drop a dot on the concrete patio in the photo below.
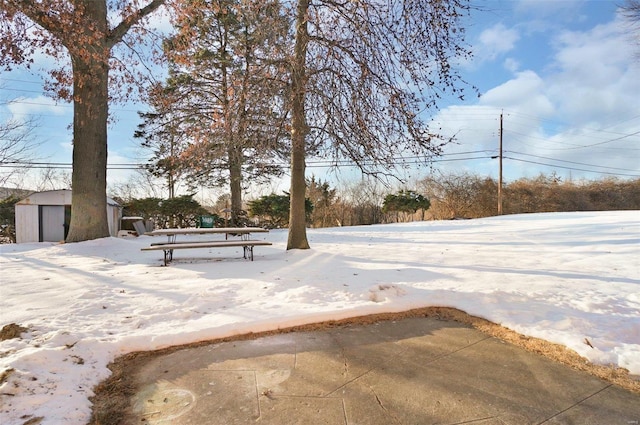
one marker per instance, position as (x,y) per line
(410,371)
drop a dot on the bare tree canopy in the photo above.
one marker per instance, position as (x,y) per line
(631,12)
(362,76)
(17,146)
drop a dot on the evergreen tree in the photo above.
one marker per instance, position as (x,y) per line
(227,94)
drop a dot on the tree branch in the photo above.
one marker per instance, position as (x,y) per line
(116,34)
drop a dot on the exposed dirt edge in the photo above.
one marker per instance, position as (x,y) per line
(112,396)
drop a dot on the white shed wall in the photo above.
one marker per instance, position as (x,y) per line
(114,214)
(28,218)
(27,226)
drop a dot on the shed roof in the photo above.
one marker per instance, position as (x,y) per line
(54,197)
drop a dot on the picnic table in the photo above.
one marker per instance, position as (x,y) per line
(172,243)
(172,234)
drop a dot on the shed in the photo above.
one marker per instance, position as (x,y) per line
(45,216)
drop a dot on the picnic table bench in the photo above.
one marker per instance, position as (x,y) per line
(172,243)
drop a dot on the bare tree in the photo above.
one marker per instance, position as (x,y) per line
(364,199)
(362,74)
(460,195)
(50,178)
(83,31)
(631,12)
(17,147)
(140,185)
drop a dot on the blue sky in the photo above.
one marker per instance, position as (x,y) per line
(564,74)
(566,78)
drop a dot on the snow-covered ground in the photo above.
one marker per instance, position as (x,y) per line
(562,277)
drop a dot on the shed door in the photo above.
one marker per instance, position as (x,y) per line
(52,225)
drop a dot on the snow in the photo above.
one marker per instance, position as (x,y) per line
(562,277)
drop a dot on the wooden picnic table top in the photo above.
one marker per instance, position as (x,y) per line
(204,230)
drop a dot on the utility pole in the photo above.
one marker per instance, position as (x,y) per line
(500,174)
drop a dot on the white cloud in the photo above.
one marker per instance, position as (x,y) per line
(511,64)
(604,46)
(576,109)
(22,108)
(525,92)
(495,41)
(594,79)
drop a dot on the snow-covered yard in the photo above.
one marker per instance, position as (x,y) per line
(562,277)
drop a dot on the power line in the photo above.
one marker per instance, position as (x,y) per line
(22,90)
(313,164)
(20,81)
(412,160)
(565,124)
(132,167)
(569,162)
(62,105)
(325,163)
(573,169)
(572,162)
(574,146)
(64,165)
(608,141)
(57,105)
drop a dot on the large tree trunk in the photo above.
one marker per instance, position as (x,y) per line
(297,217)
(89,178)
(90,111)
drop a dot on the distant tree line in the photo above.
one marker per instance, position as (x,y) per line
(441,197)
(473,196)
(450,196)
(445,197)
